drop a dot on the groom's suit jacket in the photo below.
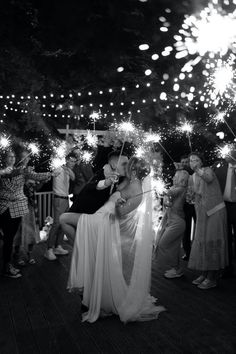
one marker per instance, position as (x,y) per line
(90,198)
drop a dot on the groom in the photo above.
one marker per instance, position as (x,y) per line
(97,191)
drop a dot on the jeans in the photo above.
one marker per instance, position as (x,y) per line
(9,227)
(55,237)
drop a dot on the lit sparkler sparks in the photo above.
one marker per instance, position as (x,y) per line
(186,128)
(57,162)
(225,151)
(34,149)
(126,127)
(61,150)
(152,138)
(159,186)
(87,156)
(5,142)
(211,32)
(221,81)
(220,118)
(140,152)
(95,116)
(91,139)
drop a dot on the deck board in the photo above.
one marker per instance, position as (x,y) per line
(38,315)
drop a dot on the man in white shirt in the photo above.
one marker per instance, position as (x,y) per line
(226,174)
(61,185)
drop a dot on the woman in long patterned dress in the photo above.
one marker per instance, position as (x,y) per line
(209,248)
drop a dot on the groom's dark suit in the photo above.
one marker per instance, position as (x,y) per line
(90,198)
(221,171)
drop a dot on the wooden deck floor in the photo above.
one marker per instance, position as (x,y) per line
(38,315)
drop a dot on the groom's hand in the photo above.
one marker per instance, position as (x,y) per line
(111,180)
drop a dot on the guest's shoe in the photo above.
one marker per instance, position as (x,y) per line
(32,261)
(59,251)
(199,280)
(21,263)
(49,254)
(207,284)
(185,257)
(173,273)
(12,272)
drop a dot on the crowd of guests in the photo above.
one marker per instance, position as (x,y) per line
(199,212)
(212,191)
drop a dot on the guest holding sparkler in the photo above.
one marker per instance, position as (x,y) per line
(209,252)
(173,226)
(61,184)
(28,232)
(189,210)
(226,174)
(13,205)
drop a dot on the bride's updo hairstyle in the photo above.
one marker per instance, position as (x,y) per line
(139,166)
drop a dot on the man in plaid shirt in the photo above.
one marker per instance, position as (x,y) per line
(13,205)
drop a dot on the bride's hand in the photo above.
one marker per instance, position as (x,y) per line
(120,202)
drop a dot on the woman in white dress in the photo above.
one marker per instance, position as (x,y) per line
(111,261)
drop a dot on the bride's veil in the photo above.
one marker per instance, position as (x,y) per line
(138,304)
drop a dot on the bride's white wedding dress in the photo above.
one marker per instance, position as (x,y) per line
(114,276)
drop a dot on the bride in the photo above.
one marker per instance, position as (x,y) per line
(111,260)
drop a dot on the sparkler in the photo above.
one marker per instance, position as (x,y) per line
(210,32)
(220,118)
(152,138)
(221,81)
(57,162)
(140,152)
(91,139)
(187,128)
(95,116)
(34,150)
(225,151)
(87,156)
(159,186)
(5,142)
(126,127)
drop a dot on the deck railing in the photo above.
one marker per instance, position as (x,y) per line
(44,201)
